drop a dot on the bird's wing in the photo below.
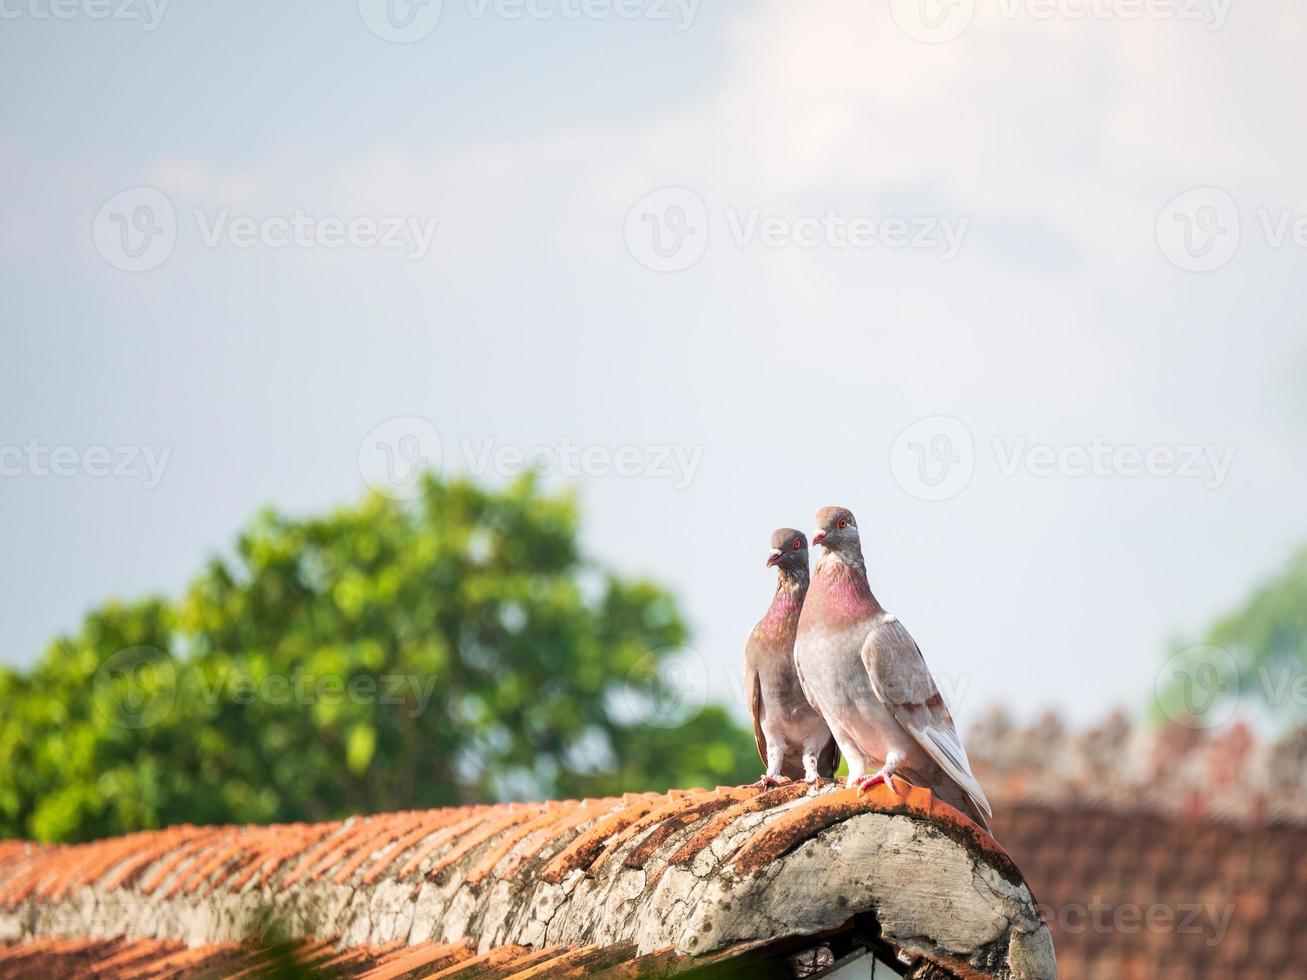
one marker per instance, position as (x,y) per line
(803,683)
(902,682)
(799,668)
(753,691)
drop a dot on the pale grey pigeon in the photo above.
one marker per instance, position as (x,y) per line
(862,670)
(792,739)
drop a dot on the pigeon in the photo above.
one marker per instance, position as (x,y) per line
(862,670)
(793,740)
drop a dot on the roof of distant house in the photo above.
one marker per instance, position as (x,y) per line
(1178,851)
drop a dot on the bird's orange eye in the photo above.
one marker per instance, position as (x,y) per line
(798,545)
(844,522)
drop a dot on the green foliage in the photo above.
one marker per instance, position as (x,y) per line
(385,656)
(1270,629)
(1257,654)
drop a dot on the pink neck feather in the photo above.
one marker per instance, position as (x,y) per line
(840,592)
(782,617)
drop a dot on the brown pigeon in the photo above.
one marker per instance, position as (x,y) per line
(793,740)
(862,670)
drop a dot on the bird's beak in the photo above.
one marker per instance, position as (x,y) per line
(774,557)
(818,537)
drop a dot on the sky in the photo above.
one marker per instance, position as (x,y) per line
(1020,282)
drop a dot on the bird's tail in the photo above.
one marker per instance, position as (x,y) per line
(958,798)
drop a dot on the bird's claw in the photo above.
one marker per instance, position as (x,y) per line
(865,784)
(769,782)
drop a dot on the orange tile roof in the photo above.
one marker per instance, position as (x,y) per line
(138,959)
(202,860)
(1138,897)
(463,888)
(1156,853)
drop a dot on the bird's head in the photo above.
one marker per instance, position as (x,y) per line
(789,552)
(837,532)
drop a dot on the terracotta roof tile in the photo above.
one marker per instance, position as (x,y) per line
(232,853)
(542,831)
(147,852)
(488,830)
(674,803)
(198,841)
(579,961)
(485,964)
(427,824)
(359,957)
(199,860)
(685,815)
(432,843)
(367,848)
(229,849)
(130,954)
(659,963)
(299,865)
(415,960)
(305,838)
(1089,866)
(92,868)
(711,830)
(582,852)
(348,867)
(524,962)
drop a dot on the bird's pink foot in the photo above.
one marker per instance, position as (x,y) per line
(866,783)
(768,781)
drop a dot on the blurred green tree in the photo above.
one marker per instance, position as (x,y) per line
(1255,656)
(389,655)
